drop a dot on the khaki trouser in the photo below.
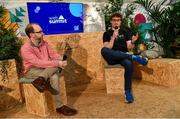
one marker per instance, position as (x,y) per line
(53,74)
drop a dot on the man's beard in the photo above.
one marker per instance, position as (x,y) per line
(38,42)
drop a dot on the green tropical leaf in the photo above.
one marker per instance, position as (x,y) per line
(167,20)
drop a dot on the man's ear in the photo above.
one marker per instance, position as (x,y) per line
(31,35)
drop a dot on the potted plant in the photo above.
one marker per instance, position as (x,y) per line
(9,43)
(9,50)
(166,22)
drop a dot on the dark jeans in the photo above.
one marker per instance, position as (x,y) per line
(118,57)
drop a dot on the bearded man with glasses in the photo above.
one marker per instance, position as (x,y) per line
(42,64)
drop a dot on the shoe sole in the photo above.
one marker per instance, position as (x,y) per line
(128,102)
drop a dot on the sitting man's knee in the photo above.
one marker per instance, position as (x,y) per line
(128,63)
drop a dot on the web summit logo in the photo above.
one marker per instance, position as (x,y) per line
(57,20)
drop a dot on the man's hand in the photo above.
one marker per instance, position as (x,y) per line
(135,37)
(115,34)
(130,43)
(62,64)
(60,58)
(111,42)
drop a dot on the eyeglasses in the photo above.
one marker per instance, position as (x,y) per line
(116,20)
(38,32)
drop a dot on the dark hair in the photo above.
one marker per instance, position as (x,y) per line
(29,29)
(116,15)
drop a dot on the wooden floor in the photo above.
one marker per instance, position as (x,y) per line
(92,101)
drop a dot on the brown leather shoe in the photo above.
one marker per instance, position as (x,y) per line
(40,84)
(51,89)
(67,111)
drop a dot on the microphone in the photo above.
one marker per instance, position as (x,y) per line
(64,57)
(116,27)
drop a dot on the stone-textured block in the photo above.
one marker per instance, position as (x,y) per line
(42,103)
(114,77)
(161,71)
(9,88)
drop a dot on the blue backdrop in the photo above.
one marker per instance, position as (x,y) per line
(57,18)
